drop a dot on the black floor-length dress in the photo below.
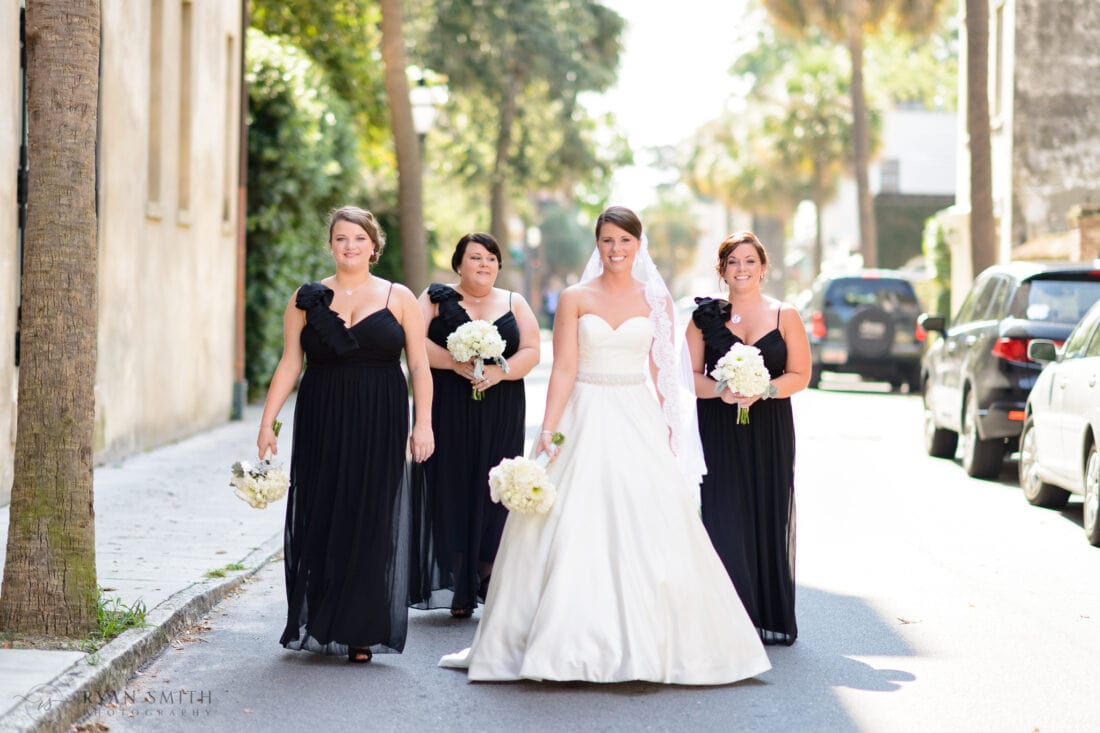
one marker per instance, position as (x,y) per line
(748,491)
(459,527)
(347,515)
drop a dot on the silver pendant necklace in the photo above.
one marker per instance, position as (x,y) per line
(735,319)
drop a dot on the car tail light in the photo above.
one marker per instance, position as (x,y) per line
(919,333)
(1011,349)
(817,325)
(1017,415)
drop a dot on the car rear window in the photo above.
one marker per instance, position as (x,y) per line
(885,293)
(1056,300)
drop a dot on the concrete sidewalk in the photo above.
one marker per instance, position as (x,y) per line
(164,519)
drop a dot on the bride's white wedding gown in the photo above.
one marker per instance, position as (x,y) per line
(619,581)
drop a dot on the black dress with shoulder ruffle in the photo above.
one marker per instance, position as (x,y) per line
(346,538)
(747,493)
(458,525)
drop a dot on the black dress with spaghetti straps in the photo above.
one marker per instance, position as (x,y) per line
(346,537)
(747,493)
(457,526)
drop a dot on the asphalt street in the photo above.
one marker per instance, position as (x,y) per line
(927,601)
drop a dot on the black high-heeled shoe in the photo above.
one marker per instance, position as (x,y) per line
(462,612)
(359,655)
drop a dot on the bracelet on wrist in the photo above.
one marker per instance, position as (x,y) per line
(546,432)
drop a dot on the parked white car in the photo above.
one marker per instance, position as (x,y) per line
(1058,446)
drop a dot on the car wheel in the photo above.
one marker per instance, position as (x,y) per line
(1036,491)
(938,442)
(980,458)
(1091,511)
(815,376)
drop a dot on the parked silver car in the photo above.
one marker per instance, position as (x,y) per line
(1058,446)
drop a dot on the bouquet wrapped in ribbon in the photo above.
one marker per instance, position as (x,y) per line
(741,370)
(262,483)
(477,341)
(521,484)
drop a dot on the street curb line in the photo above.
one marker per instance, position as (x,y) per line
(56,705)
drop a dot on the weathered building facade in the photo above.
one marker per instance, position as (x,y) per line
(1044,95)
(168,191)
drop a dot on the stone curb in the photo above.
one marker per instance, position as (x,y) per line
(56,705)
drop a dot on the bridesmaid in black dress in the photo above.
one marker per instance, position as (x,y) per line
(346,537)
(748,491)
(458,526)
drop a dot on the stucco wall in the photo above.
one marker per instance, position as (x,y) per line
(167,266)
(10,127)
(1056,113)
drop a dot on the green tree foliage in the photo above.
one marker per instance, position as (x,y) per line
(566,243)
(516,69)
(850,22)
(301,164)
(343,38)
(672,230)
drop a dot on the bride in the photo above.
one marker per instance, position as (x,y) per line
(619,581)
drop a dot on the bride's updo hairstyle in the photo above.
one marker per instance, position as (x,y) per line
(621,217)
(732,242)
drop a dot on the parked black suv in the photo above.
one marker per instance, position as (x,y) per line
(977,375)
(865,323)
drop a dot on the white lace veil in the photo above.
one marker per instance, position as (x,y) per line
(675,378)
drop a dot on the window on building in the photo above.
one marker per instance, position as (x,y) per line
(184,159)
(229,160)
(997,102)
(156,89)
(891,176)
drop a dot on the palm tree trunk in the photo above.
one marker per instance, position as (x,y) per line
(410,192)
(819,236)
(49,574)
(861,144)
(983,249)
(498,193)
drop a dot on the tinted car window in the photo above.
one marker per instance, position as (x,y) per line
(982,299)
(1078,343)
(884,293)
(1055,301)
(998,300)
(1094,345)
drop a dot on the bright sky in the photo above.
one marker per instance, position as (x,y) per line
(672,79)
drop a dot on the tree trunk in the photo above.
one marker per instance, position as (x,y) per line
(49,574)
(983,245)
(861,144)
(498,194)
(410,192)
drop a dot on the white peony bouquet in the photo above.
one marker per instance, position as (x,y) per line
(521,484)
(261,483)
(479,341)
(742,370)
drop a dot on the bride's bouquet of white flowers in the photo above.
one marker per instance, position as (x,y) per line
(742,370)
(479,341)
(262,483)
(521,484)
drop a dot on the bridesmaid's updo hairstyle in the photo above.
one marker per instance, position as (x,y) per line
(363,218)
(485,240)
(621,217)
(731,243)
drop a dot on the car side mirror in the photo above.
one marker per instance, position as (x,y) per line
(932,323)
(1042,350)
